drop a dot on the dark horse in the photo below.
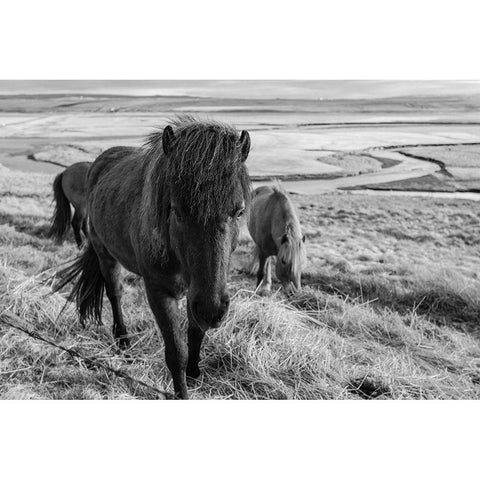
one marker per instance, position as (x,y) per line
(69,187)
(169,212)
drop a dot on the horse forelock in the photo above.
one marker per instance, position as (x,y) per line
(203,173)
(292,252)
(205,168)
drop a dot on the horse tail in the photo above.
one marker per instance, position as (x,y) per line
(87,292)
(62,214)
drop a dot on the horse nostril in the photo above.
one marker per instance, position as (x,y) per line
(212,312)
(225,302)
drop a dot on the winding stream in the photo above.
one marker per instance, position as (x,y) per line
(409,167)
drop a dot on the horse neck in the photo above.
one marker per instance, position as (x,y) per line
(155,208)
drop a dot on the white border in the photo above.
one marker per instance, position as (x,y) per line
(251,39)
(214,439)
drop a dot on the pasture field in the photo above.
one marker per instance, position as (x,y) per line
(389,310)
(391,298)
(297,131)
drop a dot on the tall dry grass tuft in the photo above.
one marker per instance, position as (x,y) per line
(312,346)
(269,349)
(438,292)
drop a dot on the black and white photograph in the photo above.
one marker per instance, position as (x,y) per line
(240,239)
(270,211)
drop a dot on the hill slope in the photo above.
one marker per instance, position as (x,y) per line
(390,310)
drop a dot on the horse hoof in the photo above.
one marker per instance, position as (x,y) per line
(181,396)
(264,293)
(123,343)
(192,373)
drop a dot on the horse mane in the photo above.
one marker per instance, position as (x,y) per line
(203,171)
(292,252)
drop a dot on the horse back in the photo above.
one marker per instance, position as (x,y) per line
(262,191)
(114,189)
(74,183)
(106,161)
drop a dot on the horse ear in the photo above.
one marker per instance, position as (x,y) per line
(244,144)
(168,137)
(303,239)
(284,238)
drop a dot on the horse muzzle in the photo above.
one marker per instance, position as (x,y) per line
(210,314)
(290,288)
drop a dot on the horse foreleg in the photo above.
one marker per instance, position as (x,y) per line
(267,284)
(261,268)
(195,338)
(169,320)
(110,269)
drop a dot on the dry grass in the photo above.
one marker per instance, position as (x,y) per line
(390,310)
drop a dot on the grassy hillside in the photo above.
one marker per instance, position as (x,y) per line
(389,309)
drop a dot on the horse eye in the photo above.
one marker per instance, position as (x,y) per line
(240,213)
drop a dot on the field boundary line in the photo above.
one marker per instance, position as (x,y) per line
(15,322)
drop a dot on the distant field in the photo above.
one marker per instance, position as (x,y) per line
(49,142)
(462,162)
(320,137)
(459,170)
(389,309)
(353,164)
(463,156)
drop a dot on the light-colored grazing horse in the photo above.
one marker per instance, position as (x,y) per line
(275,229)
(69,187)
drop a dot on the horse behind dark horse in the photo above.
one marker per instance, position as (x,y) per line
(274,226)
(169,212)
(69,187)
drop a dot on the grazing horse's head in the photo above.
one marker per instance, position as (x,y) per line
(291,260)
(209,191)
